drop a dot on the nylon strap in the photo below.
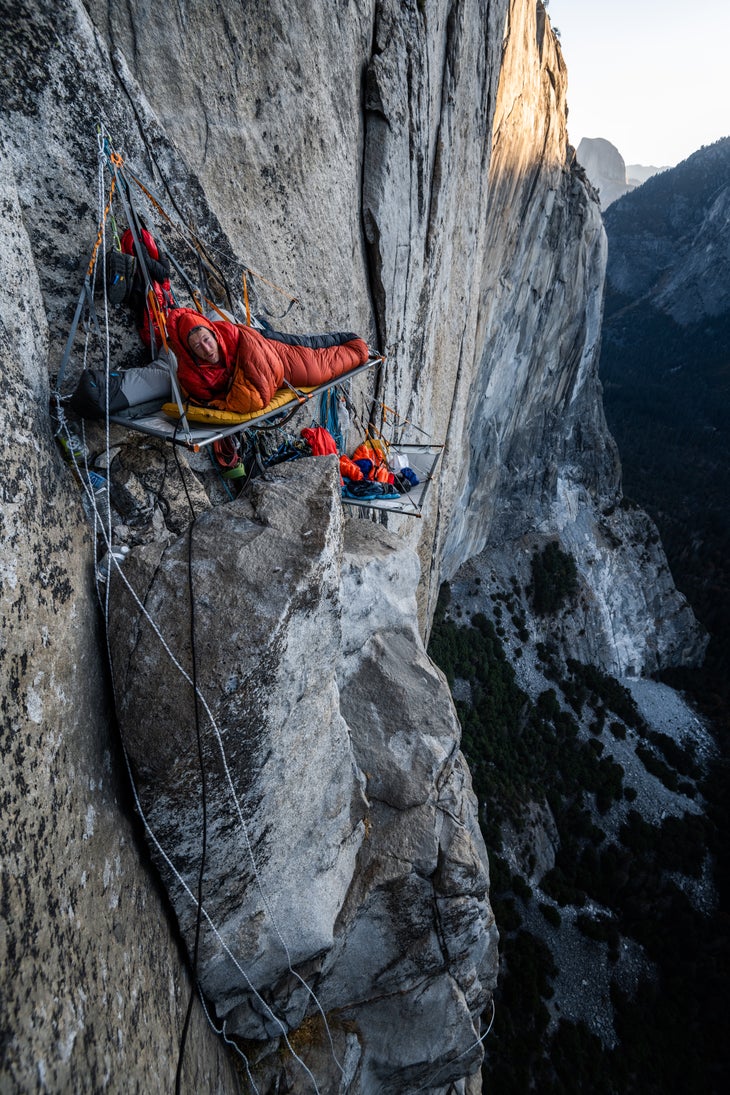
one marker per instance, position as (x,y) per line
(154,305)
(215,308)
(292,300)
(133,221)
(245,299)
(100,233)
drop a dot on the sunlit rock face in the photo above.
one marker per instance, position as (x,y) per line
(604,165)
(534,404)
(542,462)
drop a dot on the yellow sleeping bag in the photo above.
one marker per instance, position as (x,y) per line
(208,416)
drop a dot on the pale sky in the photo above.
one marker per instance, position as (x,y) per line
(650,76)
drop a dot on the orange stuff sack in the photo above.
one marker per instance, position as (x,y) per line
(349,470)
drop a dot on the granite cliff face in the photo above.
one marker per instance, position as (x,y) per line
(344,880)
(542,464)
(348,156)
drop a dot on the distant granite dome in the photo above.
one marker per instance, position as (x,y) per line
(605,168)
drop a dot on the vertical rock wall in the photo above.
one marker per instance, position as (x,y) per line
(94,991)
(541,463)
(358,182)
(318,798)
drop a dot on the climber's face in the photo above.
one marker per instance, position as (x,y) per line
(204,345)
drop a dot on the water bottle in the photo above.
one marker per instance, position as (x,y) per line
(95,498)
(73,448)
(116,556)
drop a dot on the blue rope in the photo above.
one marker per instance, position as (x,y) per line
(329,416)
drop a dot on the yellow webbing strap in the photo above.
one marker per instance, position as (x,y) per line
(196,243)
(153,199)
(92,260)
(245,299)
(215,308)
(158,316)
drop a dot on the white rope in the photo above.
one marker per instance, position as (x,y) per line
(458,1057)
(148,828)
(186,676)
(107,537)
(107,369)
(212,926)
(106,534)
(229,1041)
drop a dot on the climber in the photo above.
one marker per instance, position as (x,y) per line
(234,367)
(157,265)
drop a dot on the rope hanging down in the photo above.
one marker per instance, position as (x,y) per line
(118,570)
(105,530)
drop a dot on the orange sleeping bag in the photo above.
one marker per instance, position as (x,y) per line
(251,367)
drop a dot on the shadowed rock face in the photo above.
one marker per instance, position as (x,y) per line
(93,986)
(341,836)
(668,241)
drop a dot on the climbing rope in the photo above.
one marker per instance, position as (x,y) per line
(329,410)
(201,704)
(166,858)
(480,1041)
(222,1033)
(117,161)
(253,275)
(106,536)
(114,563)
(329,416)
(203,787)
(186,234)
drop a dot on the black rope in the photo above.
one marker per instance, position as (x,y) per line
(214,462)
(277,423)
(261,307)
(203,796)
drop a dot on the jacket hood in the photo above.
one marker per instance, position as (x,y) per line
(186,320)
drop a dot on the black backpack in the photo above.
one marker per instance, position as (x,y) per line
(89,398)
(119,277)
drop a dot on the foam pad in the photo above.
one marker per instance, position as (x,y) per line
(208,416)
